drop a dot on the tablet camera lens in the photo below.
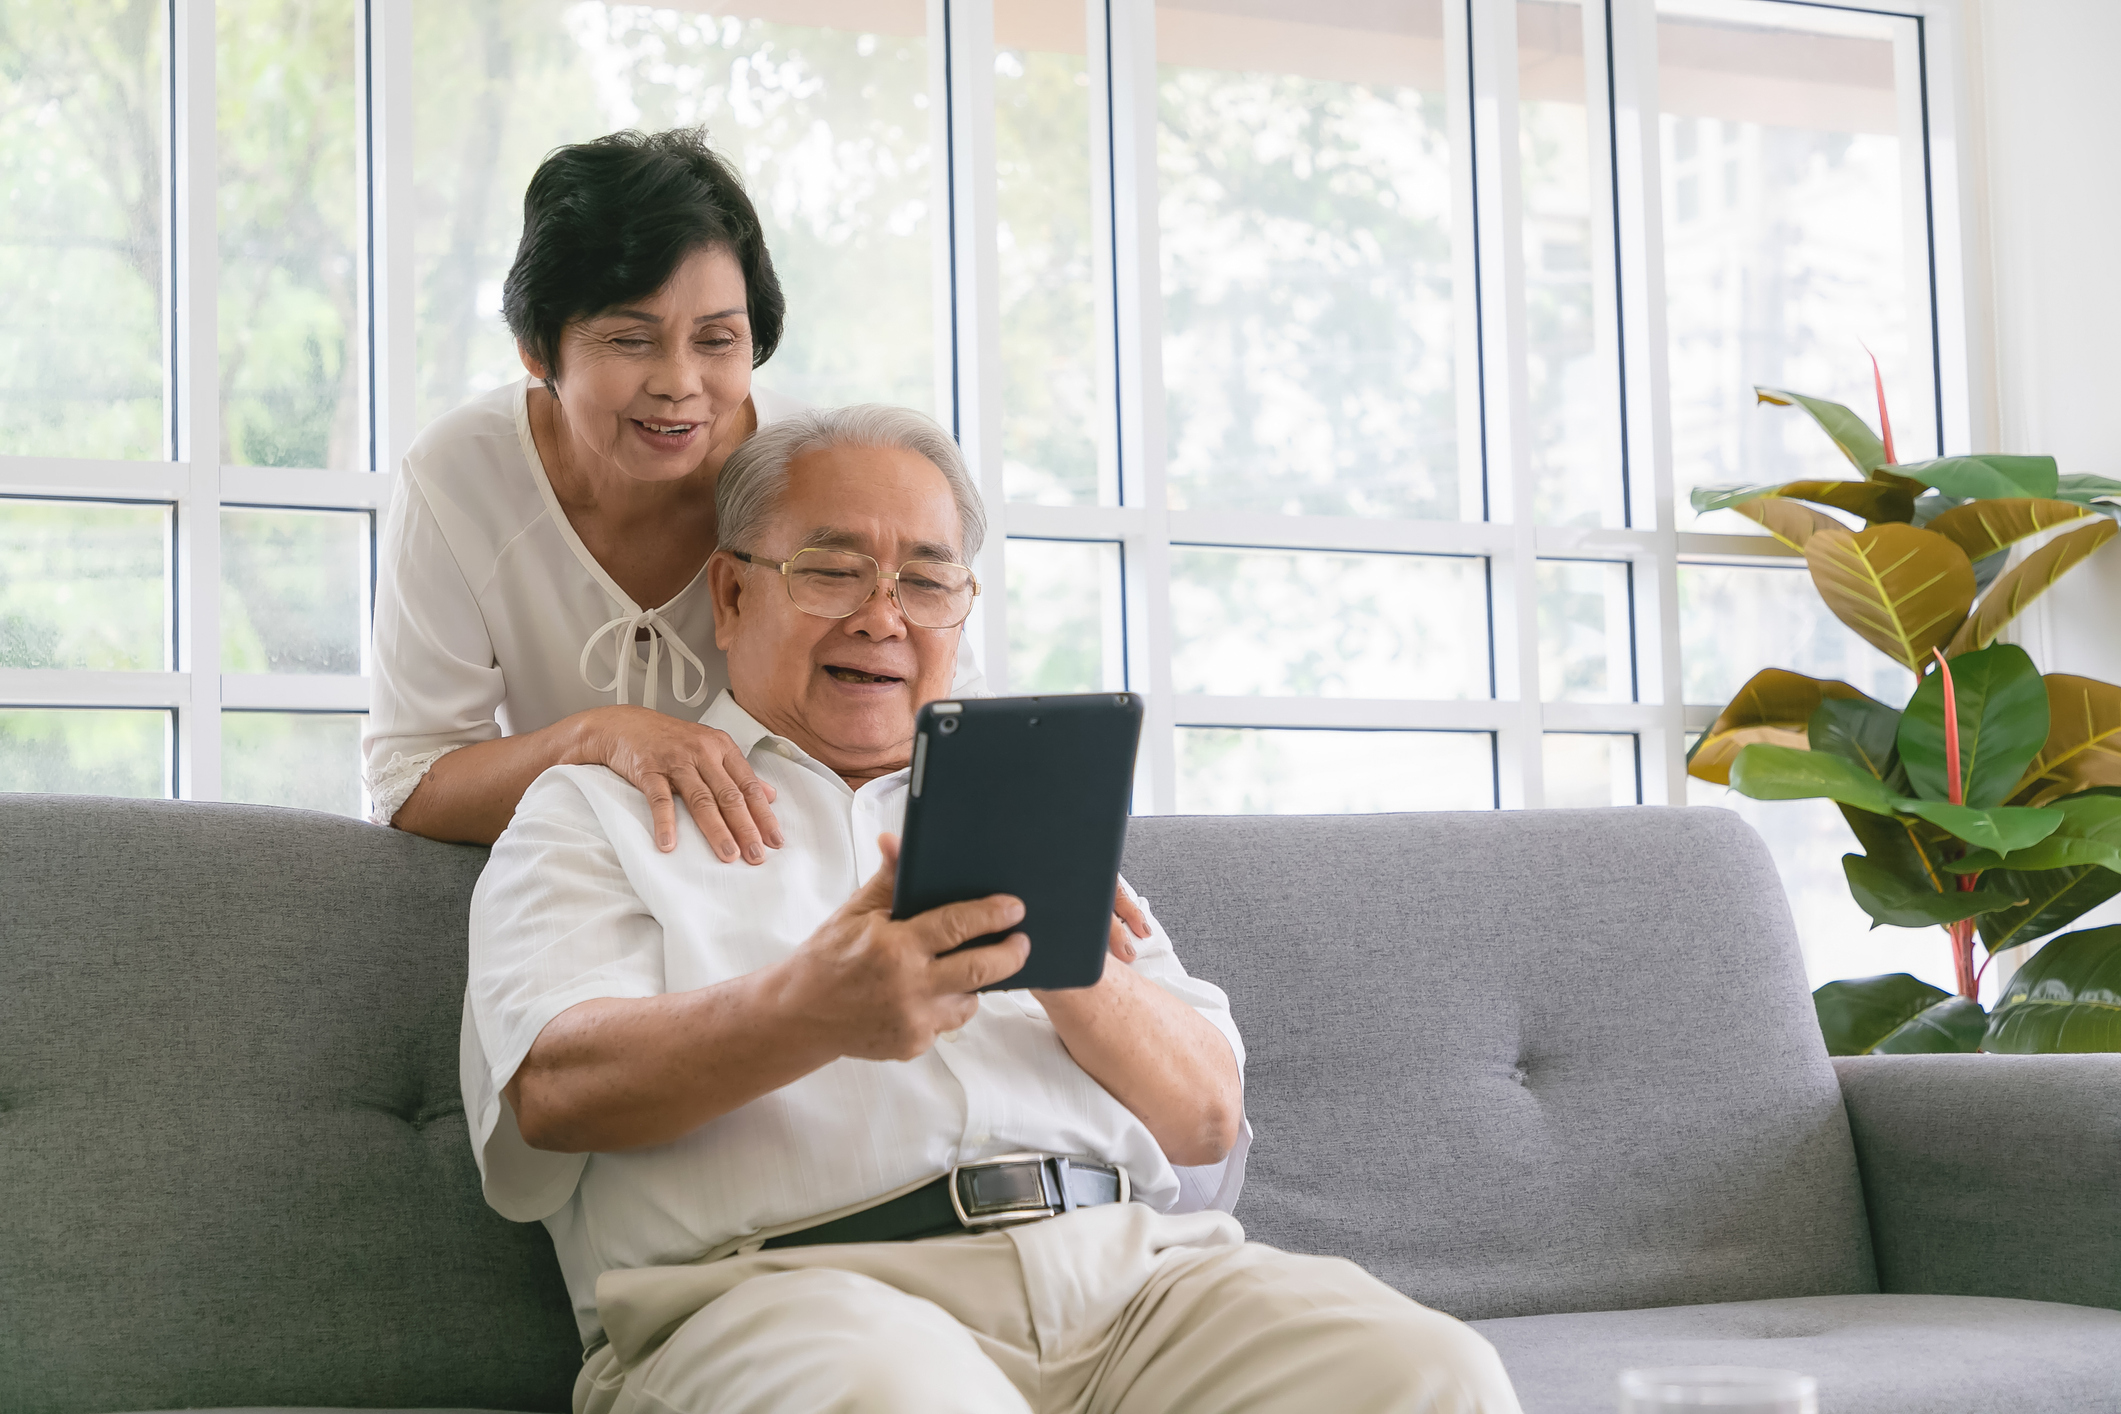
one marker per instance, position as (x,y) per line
(947,725)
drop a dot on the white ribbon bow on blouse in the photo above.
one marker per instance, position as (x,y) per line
(624,632)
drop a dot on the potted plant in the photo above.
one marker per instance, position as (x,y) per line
(1988,803)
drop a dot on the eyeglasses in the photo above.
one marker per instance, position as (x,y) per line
(833,584)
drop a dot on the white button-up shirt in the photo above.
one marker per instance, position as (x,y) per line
(578,903)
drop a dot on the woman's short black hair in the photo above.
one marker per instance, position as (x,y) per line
(610,221)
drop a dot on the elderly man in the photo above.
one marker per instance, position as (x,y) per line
(765,1123)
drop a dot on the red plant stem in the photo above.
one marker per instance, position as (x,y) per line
(1954,788)
(1969,981)
(1885,424)
(1962,932)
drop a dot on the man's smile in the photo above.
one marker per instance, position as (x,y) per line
(839,673)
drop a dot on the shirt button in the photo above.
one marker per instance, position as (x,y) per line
(953,1035)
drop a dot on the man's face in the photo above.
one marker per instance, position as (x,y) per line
(845,690)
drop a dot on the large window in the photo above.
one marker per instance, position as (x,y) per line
(1336,371)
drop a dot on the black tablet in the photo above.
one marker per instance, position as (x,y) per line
(1025,796)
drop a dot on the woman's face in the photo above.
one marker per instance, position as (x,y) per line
(654,388)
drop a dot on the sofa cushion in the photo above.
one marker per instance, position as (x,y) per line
(1526,1061)
(1939,1138)
(1870,1354)
(230,1134)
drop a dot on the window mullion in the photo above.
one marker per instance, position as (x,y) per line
(1964,422)
(1915,166)
(195,357)
(383,133)
(962,75)
(1632,35)
(1491,39)
(1122,36)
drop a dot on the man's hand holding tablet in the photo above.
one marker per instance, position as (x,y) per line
(1027,796)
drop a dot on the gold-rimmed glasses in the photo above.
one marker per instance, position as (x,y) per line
(834,584)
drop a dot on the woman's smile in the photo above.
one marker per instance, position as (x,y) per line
(667,436)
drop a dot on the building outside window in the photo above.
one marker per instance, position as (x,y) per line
(1337,372)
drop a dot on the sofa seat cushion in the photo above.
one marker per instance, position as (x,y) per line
(1871,1354)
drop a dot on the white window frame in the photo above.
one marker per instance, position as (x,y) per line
(1481,50)
(1120,34)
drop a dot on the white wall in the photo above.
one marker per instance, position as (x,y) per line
(2045,307)
(2046,114)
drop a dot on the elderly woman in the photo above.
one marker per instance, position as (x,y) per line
(541,595)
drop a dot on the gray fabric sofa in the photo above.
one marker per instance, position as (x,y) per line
(1554,1072)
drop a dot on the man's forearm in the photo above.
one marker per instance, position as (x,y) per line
(626,1073)
(1158,1057)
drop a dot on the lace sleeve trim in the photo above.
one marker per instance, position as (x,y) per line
(393,783)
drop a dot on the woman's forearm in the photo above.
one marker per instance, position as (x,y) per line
(470,795)
(1158,1057)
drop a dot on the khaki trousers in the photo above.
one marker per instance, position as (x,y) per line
(1116,1308)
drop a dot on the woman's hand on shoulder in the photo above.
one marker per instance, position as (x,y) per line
(669,760)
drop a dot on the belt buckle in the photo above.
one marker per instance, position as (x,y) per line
(1041,1191)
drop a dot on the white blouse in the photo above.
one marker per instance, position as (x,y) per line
(493,619)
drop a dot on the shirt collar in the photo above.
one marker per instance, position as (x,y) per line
(750,734)
(743,728)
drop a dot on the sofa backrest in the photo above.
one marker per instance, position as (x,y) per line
(1511,1062)
(232,1152)
(1522,1062)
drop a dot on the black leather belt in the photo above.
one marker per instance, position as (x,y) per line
(993,1193)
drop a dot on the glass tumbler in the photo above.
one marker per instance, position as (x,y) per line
(1727,1389)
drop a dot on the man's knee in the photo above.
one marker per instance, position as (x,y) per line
(1402,1354)
(1301,1332)
(825,1340)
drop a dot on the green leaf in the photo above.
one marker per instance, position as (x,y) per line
(1895,1015)
(1722,498)
(2090,833)
(2003,718)
(1914,849)
(2068,998)
(1772,707)
(1767,772)
(1900,903)
(1928,508)
(1904,591)
(2082,752)
(1790,522)
(1981,528)
(1850,432)
(2001,829)
(1861,732)
(1986,475)
(1875,501)
(2020,586)
(1988,568)
(2054,898)
(2099,493)
(1954,1024)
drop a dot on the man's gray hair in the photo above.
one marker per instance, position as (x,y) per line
(756,473)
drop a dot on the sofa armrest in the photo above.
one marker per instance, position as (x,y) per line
(1991,1175)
